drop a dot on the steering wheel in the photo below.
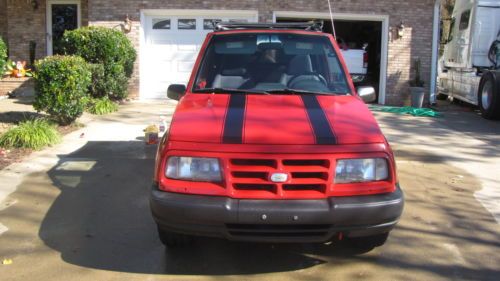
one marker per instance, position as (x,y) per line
(317,75)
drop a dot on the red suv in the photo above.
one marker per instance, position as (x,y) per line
(271,142)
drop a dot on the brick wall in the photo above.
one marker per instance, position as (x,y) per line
(416,15)
(3,19)
(16,85)
(26,24)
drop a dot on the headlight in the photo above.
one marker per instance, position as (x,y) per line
(361,170)
(193,169)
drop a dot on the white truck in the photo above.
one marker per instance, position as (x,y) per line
(469,68)
(356,60)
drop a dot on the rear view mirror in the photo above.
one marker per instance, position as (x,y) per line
(176,91)
(367,94)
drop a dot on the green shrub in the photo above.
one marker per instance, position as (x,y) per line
(98,87)
(34,134)
(109,48)
(108,83)
(3,56)
(61,87)
(101,106)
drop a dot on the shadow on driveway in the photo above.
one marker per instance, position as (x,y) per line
(101,220)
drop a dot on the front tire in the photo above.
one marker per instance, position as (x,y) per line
(173,240)
(489,96)
(369,242)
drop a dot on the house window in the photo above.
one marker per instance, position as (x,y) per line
(161,24)
(208,24)
(464,20)
(186,24)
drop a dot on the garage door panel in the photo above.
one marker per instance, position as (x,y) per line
(185,66)
(187,47)
(169,53)
(186,56)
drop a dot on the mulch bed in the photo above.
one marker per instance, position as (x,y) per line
(12,155)
(15,155)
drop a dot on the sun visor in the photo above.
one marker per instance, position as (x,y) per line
(302,47)
(243,47)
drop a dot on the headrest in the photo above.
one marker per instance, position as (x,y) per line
(300,64)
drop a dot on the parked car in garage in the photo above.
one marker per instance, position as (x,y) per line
(356,60)
(271,142)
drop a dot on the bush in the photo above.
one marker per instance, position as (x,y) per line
(61,87)
(98,87)
(106,47)
(34,134)
(112,83)
(3,56)
(101,106)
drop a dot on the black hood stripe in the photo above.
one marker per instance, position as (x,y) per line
(322,129)
(235,115)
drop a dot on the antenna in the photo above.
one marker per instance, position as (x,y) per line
(331,18)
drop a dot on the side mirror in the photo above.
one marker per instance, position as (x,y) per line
(367,94)
(176,91)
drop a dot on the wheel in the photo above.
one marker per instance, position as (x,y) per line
(489,96)
(171,239)
(368,242)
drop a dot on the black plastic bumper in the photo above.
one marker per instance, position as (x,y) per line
(276,220)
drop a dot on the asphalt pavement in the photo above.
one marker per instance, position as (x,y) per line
(79,211)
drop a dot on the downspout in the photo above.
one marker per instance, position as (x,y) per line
(435,51)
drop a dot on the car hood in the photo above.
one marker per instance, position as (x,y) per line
(273,119)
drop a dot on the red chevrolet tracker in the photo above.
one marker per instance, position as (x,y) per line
(271,142)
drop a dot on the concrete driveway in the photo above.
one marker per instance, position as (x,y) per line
(79,211)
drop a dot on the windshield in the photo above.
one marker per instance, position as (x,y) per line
(271,62)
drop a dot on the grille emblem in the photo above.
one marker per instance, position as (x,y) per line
(279,177)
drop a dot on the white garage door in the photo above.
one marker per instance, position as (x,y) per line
(170,48)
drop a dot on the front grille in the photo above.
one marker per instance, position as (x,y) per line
(307,178)
(316,187)
(249,186)
(301,162)
(278,230)
(310,175)
(254,162)
(254,175)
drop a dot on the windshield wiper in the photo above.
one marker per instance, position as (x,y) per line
(296,92)
(230,91)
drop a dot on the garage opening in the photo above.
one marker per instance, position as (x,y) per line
(354,37)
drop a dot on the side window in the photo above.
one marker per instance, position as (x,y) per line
(336,77)
(464,20)
(452,29)
(208,24)
(186,24)
(161,24)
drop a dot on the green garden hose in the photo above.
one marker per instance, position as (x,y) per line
(422,112)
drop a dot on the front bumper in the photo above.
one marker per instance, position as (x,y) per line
(276,220)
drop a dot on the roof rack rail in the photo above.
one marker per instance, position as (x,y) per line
(316,25)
